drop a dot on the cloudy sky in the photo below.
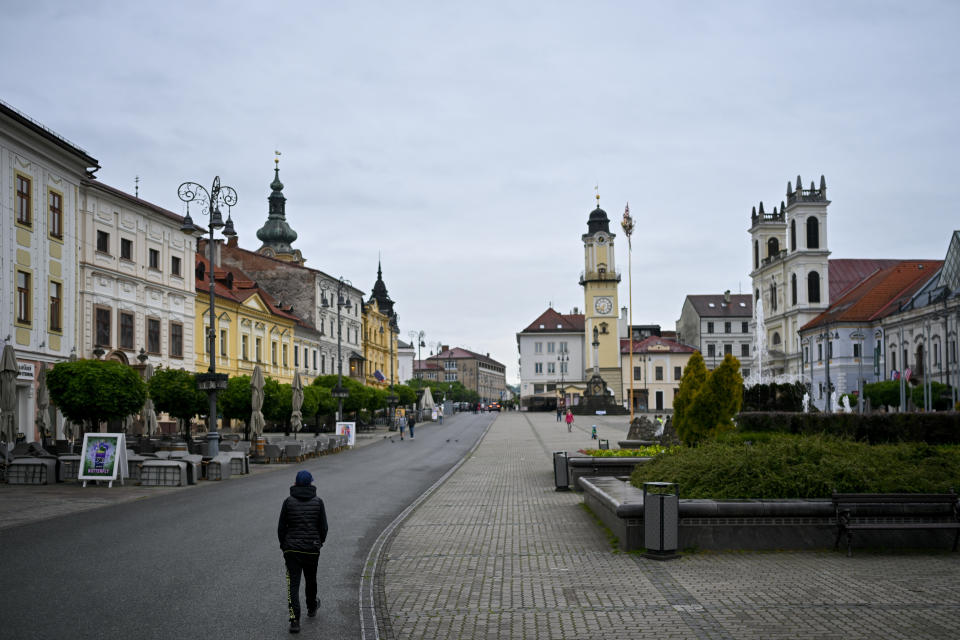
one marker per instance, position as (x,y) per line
(461,141)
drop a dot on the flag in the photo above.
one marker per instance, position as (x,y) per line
(379,376)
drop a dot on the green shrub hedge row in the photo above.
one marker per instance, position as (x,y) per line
(876,428)
(787,466)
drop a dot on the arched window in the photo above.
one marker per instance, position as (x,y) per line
(773,247)
(813,287)
(756,254)
(793,289)
(756,296)
(773,296)
(776,338)
(793,235)
(813,233)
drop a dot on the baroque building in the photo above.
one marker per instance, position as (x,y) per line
(380,331)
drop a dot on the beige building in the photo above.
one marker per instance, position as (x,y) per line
(658,365)
(475,371)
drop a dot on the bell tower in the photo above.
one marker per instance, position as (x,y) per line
(600,281)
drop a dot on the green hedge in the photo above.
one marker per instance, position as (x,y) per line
(786,466)
(876,428)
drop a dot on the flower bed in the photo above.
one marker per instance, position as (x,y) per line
(638,452)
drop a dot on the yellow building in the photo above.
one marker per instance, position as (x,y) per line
(251,328)
(600,281)
(380,333)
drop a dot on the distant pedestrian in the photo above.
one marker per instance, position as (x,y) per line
(412,424)
(559,412)
(440,414)
(302,530)
(569,421)
(401,423)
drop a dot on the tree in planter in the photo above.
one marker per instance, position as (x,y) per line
(277,402)
(89,392)
(174,391)
(234,402)
(711,409)
(695,375)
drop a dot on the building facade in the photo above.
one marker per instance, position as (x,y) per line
(717,325)
(551,359)
(658,365)
(380,336)
(40,178)
(475,371)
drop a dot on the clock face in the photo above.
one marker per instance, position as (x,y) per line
(603,305)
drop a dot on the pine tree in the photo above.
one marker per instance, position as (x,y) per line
(695,375)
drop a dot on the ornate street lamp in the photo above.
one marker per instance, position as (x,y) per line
(342,302)
(211,382)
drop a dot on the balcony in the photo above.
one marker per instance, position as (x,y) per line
(599,276)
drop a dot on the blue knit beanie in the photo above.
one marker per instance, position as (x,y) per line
(304,478)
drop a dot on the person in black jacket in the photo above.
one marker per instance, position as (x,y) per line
(302,530)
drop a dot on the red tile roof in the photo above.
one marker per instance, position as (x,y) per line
(235,285)
(554,321)
(846,273)
(879,294)
(655,344)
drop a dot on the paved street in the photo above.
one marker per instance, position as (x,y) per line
(203,561)
(495,552)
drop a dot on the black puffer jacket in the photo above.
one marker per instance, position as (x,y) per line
(303,521)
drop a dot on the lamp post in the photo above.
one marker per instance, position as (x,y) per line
(417,337)
(211,382)
(338,392)
(858,335)
(627,225)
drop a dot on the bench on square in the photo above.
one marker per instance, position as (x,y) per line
(895,512)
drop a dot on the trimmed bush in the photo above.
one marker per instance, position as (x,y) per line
(876,428)
(801,467)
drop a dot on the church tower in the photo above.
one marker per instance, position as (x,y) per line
(276,235)
(600,281)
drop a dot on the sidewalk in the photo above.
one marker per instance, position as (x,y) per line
(495,552)
(22,504)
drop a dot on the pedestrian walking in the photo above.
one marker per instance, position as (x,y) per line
(401,423)
(559,412)
(569,421)
(440,414)
(302,530)
(412,423)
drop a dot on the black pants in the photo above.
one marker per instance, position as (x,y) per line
(300,562)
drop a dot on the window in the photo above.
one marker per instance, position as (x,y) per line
(563,367)
(153,335)
(550,347)
(819,353)
(56,308)
(813,233)
(677,373)
(793,289)
(728,349)
(102,327)
(658,373)
(773,296)
(793,235)
(284,354)
(727,328)
(813,287)
(126,249)
(296,356)
(744,351)
(936,354)
(709,327)
(314,359)
(154,259)
(55,205)
(176,339)
(450,377)
(806,355)
(746,373)
(223,342)
(258,345)
(103,242)
(245,347)
(756,254)
(23,200)
(323,364)
(773,247)
(538,347)
(563,347)
(551,367)
(638,373)
(711,350)
(23,297)
(273,353)
(126,330)
(538,367)
(175,265)
(856,350)
(744,327)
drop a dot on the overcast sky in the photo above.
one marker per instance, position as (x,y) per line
(462,140)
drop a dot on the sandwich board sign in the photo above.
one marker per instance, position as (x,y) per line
(348,429)
(103,457)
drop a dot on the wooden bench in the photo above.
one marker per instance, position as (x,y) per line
(880,519)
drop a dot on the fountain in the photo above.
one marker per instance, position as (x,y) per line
(806,403)
(834,403)
(846,405)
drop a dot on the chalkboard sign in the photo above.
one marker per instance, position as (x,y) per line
(103,457)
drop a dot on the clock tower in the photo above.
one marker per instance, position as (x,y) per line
(600,281)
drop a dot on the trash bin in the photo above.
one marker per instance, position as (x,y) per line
(560,474)
(604,443)
(661,515)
